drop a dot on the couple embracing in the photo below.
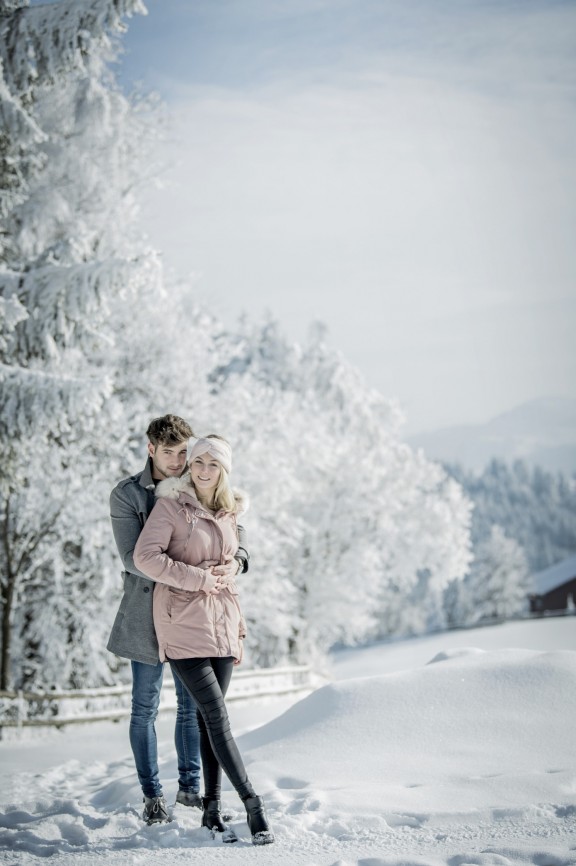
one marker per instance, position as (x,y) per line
(176,528)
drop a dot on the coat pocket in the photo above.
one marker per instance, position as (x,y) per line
(183,606)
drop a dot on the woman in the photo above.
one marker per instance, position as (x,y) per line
(199,625)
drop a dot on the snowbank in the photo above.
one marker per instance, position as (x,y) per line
(469,759)
(473,732)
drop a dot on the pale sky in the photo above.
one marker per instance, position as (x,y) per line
(402,170)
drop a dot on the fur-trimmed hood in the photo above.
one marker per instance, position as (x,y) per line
(173,488)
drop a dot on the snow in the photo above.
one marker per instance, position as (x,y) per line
(448,750)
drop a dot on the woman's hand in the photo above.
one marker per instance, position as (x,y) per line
(226,574)
(239,660)
(211,586)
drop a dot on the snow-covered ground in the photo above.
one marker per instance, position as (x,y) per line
(448,750)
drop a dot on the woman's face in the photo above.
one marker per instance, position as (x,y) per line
(205,473)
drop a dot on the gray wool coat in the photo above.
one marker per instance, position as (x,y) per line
(133,636)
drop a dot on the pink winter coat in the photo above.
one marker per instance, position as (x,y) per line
(179,542)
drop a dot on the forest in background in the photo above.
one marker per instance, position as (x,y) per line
(354,535)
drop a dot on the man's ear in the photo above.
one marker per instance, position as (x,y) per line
(150,449)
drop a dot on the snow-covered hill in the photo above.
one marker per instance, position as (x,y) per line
(542,432)
(466,759)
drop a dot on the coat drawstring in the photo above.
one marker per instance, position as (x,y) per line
(187,514)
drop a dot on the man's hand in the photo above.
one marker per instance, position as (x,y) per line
(228,569)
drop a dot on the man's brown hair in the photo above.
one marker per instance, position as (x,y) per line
(168,430)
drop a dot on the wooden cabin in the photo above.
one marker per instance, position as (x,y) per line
(554,589)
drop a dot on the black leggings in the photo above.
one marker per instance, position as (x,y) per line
(207,680)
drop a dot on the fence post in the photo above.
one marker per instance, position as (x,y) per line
(20,709)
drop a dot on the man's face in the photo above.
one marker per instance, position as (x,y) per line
(168,461)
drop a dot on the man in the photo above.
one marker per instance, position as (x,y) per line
(133,636)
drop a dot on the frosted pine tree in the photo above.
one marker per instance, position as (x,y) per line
(532,505)
(68,165)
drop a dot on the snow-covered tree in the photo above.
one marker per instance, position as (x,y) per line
(346,520)
(497,585)
(535,507)
(353,535)
(67,170)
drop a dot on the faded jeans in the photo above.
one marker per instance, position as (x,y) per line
(146,686)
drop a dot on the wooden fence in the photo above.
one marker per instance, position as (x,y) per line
(58,708)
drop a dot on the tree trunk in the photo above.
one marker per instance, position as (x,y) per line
(7,602)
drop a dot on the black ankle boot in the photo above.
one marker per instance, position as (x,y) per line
(212,819)
(258,822)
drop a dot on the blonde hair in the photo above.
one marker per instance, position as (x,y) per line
(223,498)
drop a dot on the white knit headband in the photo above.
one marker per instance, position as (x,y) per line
(217,448)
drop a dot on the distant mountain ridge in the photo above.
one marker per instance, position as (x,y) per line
(542,432)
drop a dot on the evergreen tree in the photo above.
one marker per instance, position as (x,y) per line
(535,507)
(67,152)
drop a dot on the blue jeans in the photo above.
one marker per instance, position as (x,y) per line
(146,685)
